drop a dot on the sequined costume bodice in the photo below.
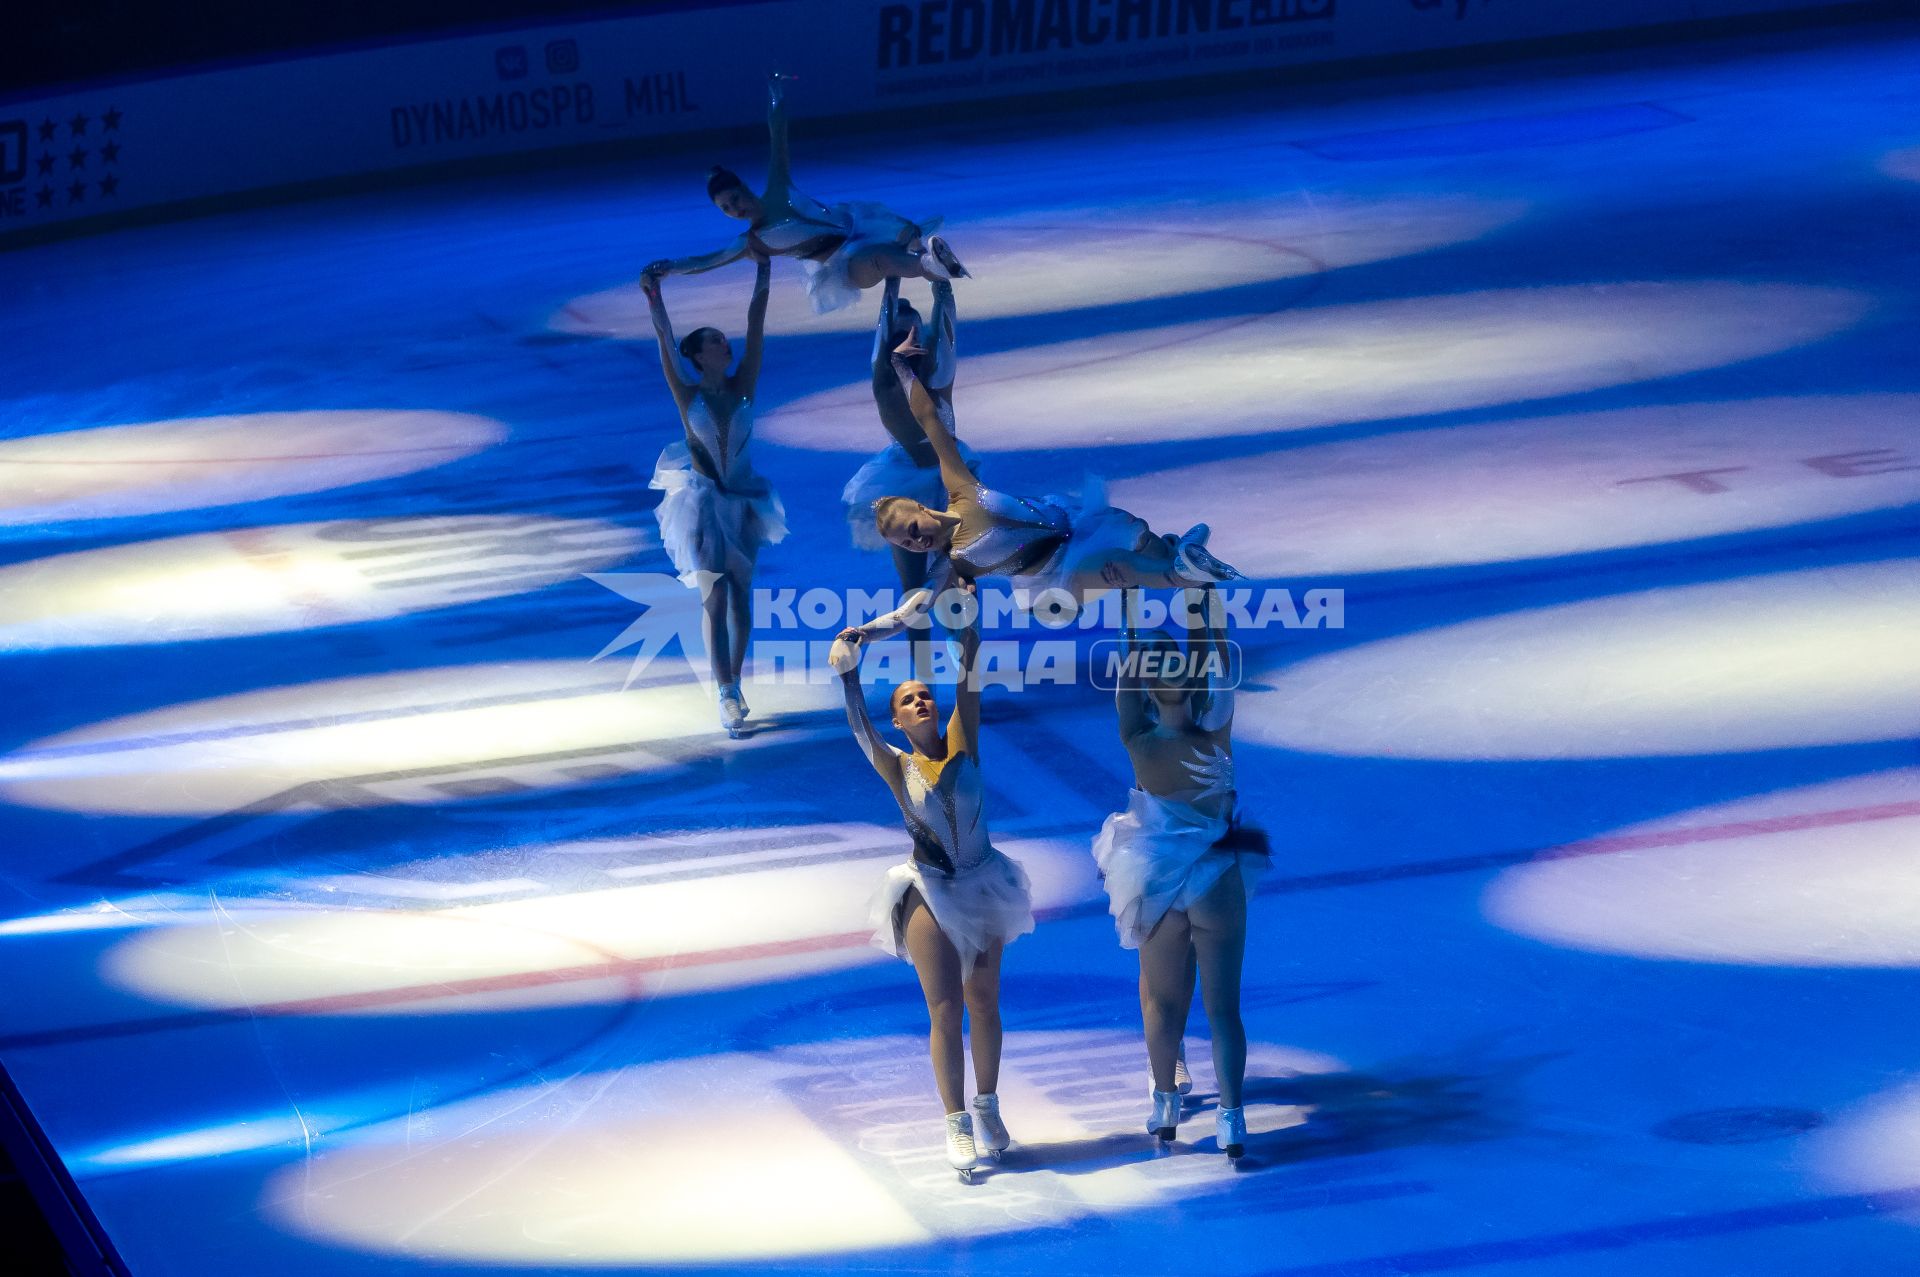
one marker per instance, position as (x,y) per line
(808,228)
(944,807)
(1005,535)
(720,450)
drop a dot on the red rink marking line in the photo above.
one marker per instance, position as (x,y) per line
(635,967)
(1737,829)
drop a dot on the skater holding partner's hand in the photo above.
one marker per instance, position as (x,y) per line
(957,901)
(716,511)
(1179,863)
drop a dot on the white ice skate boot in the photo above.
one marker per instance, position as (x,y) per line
(1192,561)
(1230,1128)
(990,1133)
(1166,1115)
(960,1152)
(733,709)
(939,262)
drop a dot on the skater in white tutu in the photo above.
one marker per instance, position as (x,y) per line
(844,248)
(1178,863)
(1038,543)
(717,511)
(908,466)
(957,900)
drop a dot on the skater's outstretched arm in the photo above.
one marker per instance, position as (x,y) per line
(702,262)
(936,420)
(748,375)
(963,728)
(878,752)
(663,333)
(911,612)
(1207,647)
(1130,690)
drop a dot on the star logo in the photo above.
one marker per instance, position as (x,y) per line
(45,163)
(111,120)
(46,130)
(76,158)
(77,193)
(672,611)
(110,153)
(109,184)
(77,126)
(44,197)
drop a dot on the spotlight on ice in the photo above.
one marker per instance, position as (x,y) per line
(194,462)
(748,919)
(1071,258)
(1823,656)
(649,1165)
(1546,486)
(1247,374)
(1822,876)
(294,576)
(423,736)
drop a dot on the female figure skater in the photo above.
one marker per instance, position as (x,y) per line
(957,900)
(1038,543)
(717,511)
(1178,863)
(908,466)
(844,248)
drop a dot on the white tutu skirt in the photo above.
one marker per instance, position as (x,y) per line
(829,284)
(1097,531)
(1159,855)
(890,472)
(702,526)
(991,901)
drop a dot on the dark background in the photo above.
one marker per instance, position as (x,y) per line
(47,42)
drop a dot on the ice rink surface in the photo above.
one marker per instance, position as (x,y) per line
(358,921)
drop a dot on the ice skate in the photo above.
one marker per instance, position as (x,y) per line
(1230,1128)
(939,261)
(990,1133)
(1166,1115)
(733,710)
(1193,562)
(960,1151)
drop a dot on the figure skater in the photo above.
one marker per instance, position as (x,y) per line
(1040,543)
(957,901)
(1178,863)
(908,466)
(844,249)
(717,511)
